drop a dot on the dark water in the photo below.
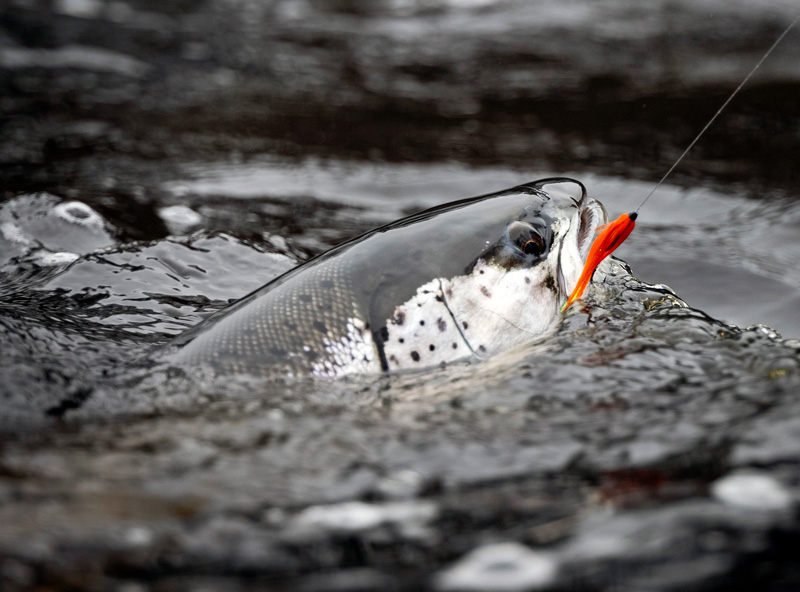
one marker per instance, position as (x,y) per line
(652,443)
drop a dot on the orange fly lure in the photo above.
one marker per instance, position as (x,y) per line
(614,233)
(611,236)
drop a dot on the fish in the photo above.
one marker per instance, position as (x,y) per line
(467,279)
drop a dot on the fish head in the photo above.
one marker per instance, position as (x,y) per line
(552,237)
(513,290)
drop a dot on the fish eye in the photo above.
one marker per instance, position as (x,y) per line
(526,238)
(533,246)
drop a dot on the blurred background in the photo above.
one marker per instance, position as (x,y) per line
(112,95)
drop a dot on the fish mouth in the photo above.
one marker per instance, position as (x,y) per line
(591,214)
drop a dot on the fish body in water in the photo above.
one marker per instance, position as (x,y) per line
(469,278)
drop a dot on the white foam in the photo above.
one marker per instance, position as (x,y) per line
(501,567)
(47,259)
(752,491)
(78,212)
(180,219)
(13,233)
(351,517)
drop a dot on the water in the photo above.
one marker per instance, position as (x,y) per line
(651,443)
(639,401)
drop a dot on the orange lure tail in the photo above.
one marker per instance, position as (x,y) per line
(611,236)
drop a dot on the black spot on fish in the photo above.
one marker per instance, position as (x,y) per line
(481,272)
(449,292)
(481,349)
(441,324)
(326,284)
(466,325)
(399,318)
(393,359)
(455,345)
(439,298)
(305,297)
(527,280)
(320,326)
(401,340)
(384,334)
(485,291)
(431,347)
(550,283)
(422,322)
(311,355)
(291,325)
(415,356)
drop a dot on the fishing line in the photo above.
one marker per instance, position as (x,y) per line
(613,234)
(720,110)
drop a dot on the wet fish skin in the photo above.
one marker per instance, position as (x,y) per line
(438,286)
